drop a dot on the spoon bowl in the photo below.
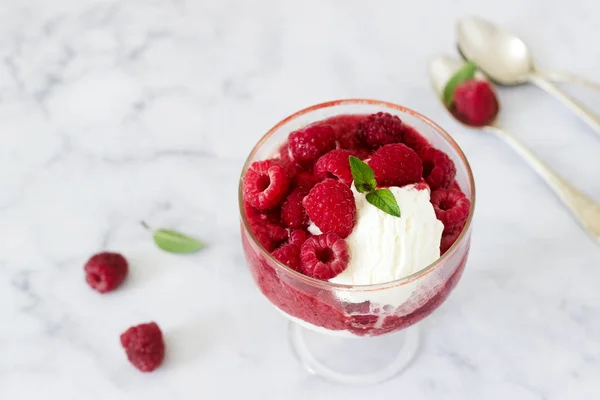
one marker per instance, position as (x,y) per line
(504,57)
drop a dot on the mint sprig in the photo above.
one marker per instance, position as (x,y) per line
(364,181)
(384,200)
(174,242)
(465,73)
(364,178)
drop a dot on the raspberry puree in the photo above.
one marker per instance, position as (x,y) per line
(323,309)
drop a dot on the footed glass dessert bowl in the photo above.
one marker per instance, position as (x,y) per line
(356,225)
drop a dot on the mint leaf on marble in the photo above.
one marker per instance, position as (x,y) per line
(384,200)
(175,242)
(465,73)
(364,178)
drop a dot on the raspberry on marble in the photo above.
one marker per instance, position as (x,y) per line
(144,346)
(106,271)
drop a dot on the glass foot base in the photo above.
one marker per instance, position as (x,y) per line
(365,360)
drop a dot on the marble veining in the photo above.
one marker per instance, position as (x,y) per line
(112,112)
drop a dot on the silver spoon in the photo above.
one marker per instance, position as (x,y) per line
(585,210)
(506,59)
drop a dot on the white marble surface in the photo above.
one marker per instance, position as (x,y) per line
(112,111)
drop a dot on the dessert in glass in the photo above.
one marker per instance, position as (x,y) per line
(356,224)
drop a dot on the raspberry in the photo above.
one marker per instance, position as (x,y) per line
(455,186)
(305,180)
(362,153)
(438,169)
(265,226)
(347,137)
(324,256)
(349,140)
(298,237)
(336,165)
(451,207)
(330,205)
(345,127)
(413,139)
(292,211)
(396,165)
(448,240)
(308,144)
(380,129)
(284,159)
(289,255)
(256,216)
(105,272)
(265,184)
(475,102)
(270,235)
(144,346)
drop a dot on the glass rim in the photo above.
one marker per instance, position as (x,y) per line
(370,287)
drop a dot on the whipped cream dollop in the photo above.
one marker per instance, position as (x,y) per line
(384,248)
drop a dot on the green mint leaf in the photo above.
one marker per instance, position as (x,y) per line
(465,73)
(385,201)
(174,242)
(364,178)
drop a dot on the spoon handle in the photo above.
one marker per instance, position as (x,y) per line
(590,117)
(583,208)
(569,78)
